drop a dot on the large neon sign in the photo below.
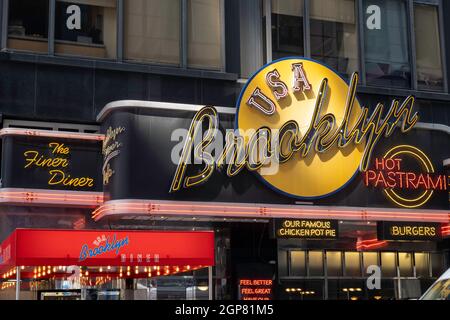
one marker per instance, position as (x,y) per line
(312,128)
(388,174)
(56,164)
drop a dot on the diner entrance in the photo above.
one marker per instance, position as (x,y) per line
(41,264)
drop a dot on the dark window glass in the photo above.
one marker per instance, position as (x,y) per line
(437,264)
(333,34)
(422,265)
(287,28)
(282,263)
(28,25)
(428,48)
(86,28)
(405,263)
(386,43)
(410,289)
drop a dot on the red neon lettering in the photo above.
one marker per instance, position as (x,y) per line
(400,178)
(391,178)
(390,164)
(380,179)
(379,164)
(394,178)
(410,177)
(369,176)
(421,181)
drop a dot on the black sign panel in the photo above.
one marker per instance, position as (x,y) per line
(139,164)
(51,163)
(408,231)
(306,229)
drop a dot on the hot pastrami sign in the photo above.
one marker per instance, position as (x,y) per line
(406,175)
(297,122)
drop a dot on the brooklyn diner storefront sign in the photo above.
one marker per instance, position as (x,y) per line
(301,116)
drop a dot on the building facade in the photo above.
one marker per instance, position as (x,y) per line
(109,82)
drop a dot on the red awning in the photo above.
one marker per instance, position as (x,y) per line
(35,247)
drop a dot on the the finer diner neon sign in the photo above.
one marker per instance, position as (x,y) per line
(57,165)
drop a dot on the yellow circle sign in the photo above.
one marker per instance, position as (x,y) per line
(427,167)
(311,100)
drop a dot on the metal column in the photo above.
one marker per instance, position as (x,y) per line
(17,283)
(210,283)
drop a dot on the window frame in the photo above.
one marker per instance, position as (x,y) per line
(411,46)
(4,17)
(440,15)
(359,11)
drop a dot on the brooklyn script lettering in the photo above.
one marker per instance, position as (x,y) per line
(322,134)
(110,245)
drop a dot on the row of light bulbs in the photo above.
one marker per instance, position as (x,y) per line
(42,271)
(351,289)
(7,285)
(299,291)
(156,269)
(11,272)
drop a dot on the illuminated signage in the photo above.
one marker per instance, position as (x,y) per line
(56,164)
(255,289)
(397,182)
(306,229)
(35,162)
(103,244)
(420,231)
(110,150)
(297,121)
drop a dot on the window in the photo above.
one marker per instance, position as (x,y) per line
(386,43)
(437,264)
(28,25)
(422,265)
(333,34)
(283,263)
(86,28)
(370,259)
(405,263)
(352,264)
(298,263)
(315,263)
(334,263)
(204,34)
(428,48)
(389,264)
(253,48)
(152,31)
(287,28)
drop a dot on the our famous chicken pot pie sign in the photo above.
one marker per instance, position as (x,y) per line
(299,127)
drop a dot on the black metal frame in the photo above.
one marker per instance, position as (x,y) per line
(439,95)
(126,65)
